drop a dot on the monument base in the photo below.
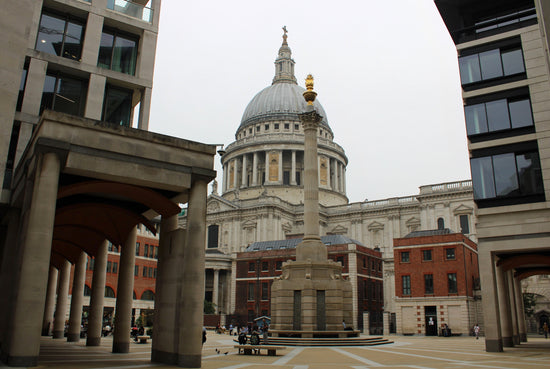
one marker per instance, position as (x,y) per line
(311,296)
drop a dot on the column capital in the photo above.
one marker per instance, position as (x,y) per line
(310,119)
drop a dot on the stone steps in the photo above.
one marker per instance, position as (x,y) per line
(348,341)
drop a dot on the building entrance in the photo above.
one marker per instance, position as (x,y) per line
(430,314)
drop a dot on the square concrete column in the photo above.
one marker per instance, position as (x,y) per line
(77,298)
(490,301)
(192,297)
(47,324)
(522,327)
(145,109)
(25,325)
(94,99)
(124,298)
(513,307)
(92,39)
(504,306)
(95,317)
(62,300)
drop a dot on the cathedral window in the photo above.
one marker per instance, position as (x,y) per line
(276,126)
(267,127)
(287,126)
(296,127)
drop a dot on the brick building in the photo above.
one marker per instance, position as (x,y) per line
(261,262)
(436,282)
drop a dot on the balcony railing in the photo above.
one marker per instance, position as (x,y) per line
(131,9)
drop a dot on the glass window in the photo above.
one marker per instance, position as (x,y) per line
(497,115)
(150,272)
(276,126)
(64,94)
(144,271)
(265,291)
(427,255)
(22,89)
(520,113)
(61,36)
(115,267)
(213,231)
(146,251)
(440,223)
(287,126)
(428,284)
(529,173)
(340,259)
(136,270)
(267,127)
(251,266)
(265,266)
(117,52)
(512,62)
(491,66)
(109,292)
(453,288)
(137,248)
(476,119)
(296,127)
(469,69)
(464,224)
(450,254)
(109,266)
(148,295)
(405,257)
(482,178)
(251,291)
(406,284)
(504,168)
(117,107)
(278,265)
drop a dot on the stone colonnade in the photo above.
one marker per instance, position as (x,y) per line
(220,287)
(504,314)
(284,167)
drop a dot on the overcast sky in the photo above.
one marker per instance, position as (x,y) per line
(385,72)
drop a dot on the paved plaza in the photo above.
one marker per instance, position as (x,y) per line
(405,352)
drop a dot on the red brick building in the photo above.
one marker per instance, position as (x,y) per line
(261,262)
(436,283)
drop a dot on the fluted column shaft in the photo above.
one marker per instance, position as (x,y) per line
(77,298)
(125,289)
(95,318)
(62,296)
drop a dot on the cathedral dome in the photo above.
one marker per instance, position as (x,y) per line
(280,101)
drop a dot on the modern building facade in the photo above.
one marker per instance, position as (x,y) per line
(436,283)
(504,68)
(78,176)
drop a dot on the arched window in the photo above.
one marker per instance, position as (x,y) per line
(148,295)
(109,292)
(87,290)
(440,223)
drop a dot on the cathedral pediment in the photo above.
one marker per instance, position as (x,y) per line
(463,209)
(216,204)
(375,226)
(249,223)
(413,221)
(339,229)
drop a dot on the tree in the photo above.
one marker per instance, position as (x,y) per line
(529,302)
(209,307)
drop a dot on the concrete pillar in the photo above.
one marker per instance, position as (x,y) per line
(168,289)
(94,99)
(366,323)
(504,306)
(522,327)
(95,317)
(92,39)
(244,173)
(215,289)
(34,86)
(255,169)
(124,298)
(22,342)
(62,300)
(77,299)
(192,298)
(47,323)
(293,170)
(490,301)
(145,108)
(513,308)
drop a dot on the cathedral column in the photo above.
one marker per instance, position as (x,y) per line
(244,173)
(293,170)
(62,296)
(255,169)
(77,298)
(341,171)
(343,178)
(47,324)
(124,298)
(235,172)
(280,171)
(215,289)
(266,179)
(95,317)
(224,184)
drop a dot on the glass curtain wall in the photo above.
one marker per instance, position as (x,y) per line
(118,52)
(60,36)
(117,106)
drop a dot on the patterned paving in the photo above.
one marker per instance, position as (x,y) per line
(406,352)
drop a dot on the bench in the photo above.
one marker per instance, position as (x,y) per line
(143,339)
(250,349)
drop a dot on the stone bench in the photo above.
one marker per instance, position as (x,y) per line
(143,339)
(250,349)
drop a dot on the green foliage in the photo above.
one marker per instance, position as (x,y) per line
(145,319)
(209,307)
(529,302)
